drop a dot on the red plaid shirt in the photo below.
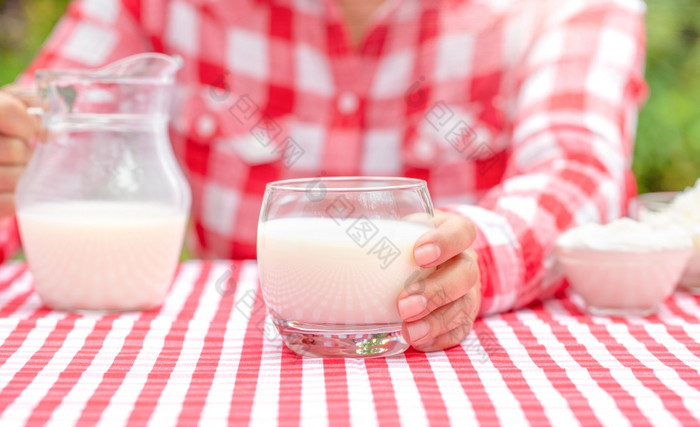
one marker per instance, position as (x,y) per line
(520,115)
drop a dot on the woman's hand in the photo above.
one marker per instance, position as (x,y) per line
(17,129)
(438,311)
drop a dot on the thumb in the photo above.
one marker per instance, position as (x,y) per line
(26,94)
(15,121)
(453,235)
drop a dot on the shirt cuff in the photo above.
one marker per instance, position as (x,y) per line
(499,253)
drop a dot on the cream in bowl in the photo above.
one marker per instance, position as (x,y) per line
(676,209)
(625,267)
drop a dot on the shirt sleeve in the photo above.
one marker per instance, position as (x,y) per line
(578,91)
(93,33)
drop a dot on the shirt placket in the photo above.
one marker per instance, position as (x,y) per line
(353,71)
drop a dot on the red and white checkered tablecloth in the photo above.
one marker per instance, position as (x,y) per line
(210,356)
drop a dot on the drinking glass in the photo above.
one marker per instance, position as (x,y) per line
(334,254)
(653,208)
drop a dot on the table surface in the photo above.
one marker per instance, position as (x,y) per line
(210,356)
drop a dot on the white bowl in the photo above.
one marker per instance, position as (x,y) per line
(617,283)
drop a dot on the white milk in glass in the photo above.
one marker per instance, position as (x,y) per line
(314,272)
(102,255)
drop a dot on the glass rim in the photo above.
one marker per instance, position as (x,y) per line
(657,196)
(384,183)
(654,201)
(115,71)
(74,76)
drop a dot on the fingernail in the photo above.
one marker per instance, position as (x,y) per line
(412,305)
(417,330)
(426,254)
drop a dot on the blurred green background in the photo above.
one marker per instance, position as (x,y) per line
(667,153)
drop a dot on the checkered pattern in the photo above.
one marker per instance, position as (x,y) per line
(519,114)
(210,357)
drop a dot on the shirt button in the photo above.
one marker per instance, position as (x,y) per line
(348,103)
(205,126)
(424,150)
(253,152)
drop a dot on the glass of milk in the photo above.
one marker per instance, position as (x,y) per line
(334,254)
(103,205)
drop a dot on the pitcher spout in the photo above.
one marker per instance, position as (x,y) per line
(145,65)
(138,85)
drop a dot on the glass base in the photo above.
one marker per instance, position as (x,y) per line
(86,311)
(692,287)
(622,312)
(695,290)
(356,341)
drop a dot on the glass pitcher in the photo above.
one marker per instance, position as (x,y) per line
(103,204)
